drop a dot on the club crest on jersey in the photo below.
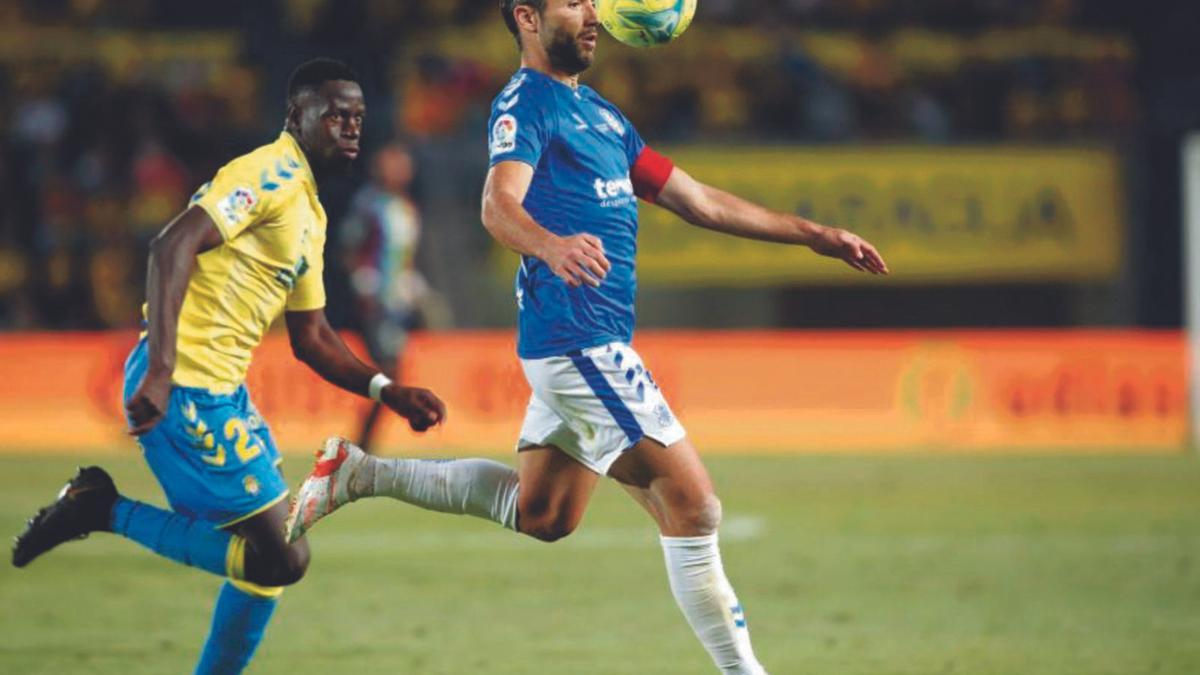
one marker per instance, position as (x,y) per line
(504,134)
(662,415)
(250,484)
(612,122)
(237,205)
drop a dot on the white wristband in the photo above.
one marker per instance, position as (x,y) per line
(377,384)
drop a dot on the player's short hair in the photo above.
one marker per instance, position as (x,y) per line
(312,74)
(506,11)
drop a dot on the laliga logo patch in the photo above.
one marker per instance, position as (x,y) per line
(504,134)
(613,122)
(239,202)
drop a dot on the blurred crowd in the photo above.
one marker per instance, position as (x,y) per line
(826,71)
(111,113)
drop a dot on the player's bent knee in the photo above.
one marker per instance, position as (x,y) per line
(288,574)
(702,516)
(551,532)
(296,564)
(548,528)
(289,567)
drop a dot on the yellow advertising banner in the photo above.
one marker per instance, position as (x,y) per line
(938,214)
(735,392)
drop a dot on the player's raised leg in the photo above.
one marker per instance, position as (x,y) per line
(549,490)
(254,551)
(344,473)
(253,554)
(672,484)
(215,459)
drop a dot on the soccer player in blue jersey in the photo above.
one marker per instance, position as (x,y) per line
(566,167)
(248,248)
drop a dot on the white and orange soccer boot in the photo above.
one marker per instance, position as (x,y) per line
(327,488)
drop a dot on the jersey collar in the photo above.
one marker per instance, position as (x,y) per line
(578,90)
(293,147)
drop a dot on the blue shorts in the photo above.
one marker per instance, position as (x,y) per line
(213,454)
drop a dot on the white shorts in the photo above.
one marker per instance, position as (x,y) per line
(594,404)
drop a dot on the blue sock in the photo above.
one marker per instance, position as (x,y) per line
(197,543)
(238,623)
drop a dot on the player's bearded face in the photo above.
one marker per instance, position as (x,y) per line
(573,44)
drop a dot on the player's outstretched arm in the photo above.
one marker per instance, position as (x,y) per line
(315,343)
(578,259)
(172,258)
(715,209)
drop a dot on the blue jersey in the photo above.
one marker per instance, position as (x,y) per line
(581,149)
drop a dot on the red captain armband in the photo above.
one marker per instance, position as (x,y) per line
(650,173)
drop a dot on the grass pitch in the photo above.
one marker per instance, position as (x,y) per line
(914,565)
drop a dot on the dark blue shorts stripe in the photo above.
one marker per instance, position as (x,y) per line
(608,396)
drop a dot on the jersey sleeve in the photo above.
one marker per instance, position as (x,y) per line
(309,292)
(519,128)
(633,140)
(650,173)
(648,169)
(235,198)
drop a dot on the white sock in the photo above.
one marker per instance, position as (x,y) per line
(709,603)
(476,487)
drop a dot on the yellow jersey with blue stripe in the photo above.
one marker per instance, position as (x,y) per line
(265,205)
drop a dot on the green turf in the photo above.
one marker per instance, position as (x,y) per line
(920,565)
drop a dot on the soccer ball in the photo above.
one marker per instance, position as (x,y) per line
(646,23)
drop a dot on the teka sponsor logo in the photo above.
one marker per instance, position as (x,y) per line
(613,189)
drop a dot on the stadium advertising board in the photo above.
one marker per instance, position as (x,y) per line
(736,392)
(946,214)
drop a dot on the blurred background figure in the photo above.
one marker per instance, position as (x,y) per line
(379,242)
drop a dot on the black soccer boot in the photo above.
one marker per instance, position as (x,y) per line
(84,505)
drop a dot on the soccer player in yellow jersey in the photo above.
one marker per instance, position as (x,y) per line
(248,248)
